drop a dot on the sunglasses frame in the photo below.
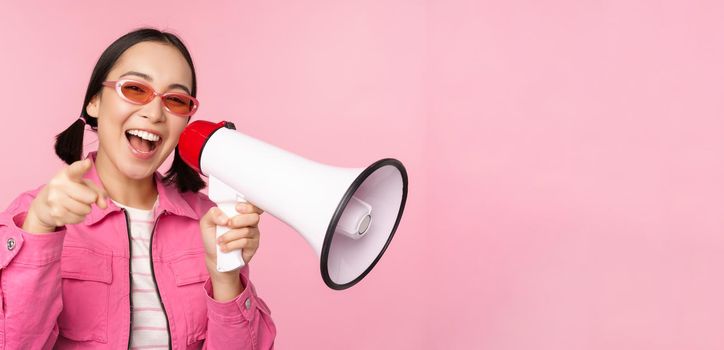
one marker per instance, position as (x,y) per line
(118,86)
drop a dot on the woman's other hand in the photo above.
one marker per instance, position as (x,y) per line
(66,199)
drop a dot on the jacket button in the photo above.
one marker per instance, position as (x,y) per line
(11,243)
(247,303)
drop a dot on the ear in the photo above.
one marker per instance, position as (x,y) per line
(92,108)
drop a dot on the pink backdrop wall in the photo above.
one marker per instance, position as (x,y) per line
(564,156)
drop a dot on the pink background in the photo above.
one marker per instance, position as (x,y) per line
(565,157)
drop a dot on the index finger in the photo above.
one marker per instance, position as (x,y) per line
(248,208)
(76,170)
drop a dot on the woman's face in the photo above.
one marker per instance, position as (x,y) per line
(162,67)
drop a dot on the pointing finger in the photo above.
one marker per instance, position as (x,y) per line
(76,170)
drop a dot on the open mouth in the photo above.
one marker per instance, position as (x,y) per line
(143,141)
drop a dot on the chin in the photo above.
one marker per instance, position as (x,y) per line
(138,171)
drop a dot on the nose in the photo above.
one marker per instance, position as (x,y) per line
(153,110)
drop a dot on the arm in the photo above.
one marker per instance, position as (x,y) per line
(238,318)
(30,287)
(243,322)
(30,283)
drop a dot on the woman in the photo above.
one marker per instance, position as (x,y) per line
(110,254)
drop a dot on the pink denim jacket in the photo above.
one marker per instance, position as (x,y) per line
(71,289)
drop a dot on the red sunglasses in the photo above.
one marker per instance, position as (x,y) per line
(177,103)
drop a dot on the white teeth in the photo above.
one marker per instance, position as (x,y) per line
(144,135)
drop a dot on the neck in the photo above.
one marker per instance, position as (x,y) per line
(136,193)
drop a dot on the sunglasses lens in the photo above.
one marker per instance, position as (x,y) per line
(136,92)
(179,104)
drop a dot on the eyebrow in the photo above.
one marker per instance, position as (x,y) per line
(148,77)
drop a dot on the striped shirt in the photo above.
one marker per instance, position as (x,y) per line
(149,321)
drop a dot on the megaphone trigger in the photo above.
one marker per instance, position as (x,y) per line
(226,199)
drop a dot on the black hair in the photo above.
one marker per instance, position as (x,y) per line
(69,143)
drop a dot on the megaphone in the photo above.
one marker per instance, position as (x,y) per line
(347,215)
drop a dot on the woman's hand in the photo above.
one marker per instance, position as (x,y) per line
(243,234)
(66,199)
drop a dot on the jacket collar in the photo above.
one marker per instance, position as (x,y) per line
(169,199)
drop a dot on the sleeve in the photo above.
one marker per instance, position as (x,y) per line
(30,293)
(241,323)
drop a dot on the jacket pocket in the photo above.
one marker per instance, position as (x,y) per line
(86,278)
(189,271)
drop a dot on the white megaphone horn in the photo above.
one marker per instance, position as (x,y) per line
(347,215)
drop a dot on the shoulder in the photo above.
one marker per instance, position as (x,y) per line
(189,204)
(19,205)
(199,202)
(22,201)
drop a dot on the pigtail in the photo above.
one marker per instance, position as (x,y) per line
(69,143)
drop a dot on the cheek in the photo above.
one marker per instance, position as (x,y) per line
(176,126)
(113,114)
(109,125)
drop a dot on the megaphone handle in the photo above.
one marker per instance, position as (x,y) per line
(231,260)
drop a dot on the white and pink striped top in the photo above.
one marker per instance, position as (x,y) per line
(149,321)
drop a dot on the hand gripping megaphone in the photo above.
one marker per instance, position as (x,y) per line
(347,215)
